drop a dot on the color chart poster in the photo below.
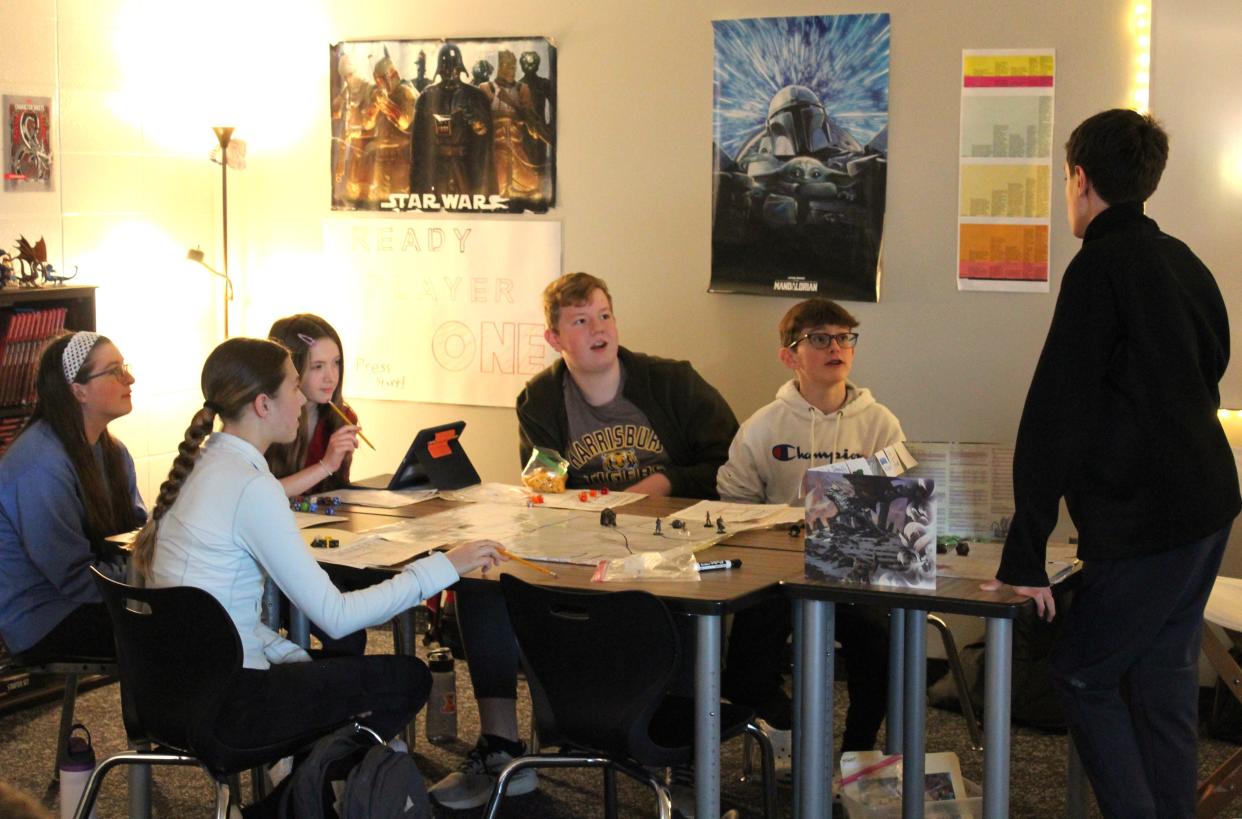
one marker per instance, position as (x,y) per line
(445,311)
(1005,170)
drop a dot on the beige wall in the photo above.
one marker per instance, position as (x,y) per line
(138,87)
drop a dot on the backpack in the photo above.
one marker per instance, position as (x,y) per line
(377,781)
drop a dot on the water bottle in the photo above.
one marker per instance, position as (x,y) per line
(76,764)
(442,704)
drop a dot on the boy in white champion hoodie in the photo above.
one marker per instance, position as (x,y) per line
(818,417)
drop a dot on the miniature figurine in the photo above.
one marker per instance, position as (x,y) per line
(720,527)
(962,548)
(604,491)
(608,517)
(707,524)
(658,530)
(582,496)
(678,523)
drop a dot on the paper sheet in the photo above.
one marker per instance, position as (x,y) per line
(738,517)
(362,550)
(983,560)
(519,495)
(553,535)
(305,520)
(383,498)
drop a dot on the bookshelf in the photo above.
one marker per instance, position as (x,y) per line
(19,359)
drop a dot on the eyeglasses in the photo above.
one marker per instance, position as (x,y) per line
(120,372)
(822,341)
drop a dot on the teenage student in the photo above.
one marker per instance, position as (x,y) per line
(222,523)
(318,460)
(623,420)
(65,485)
(819,417)
(1120,420)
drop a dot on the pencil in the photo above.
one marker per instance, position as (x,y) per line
(345,418)
(526,562)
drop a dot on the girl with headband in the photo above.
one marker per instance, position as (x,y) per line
(318,460)
(65,486)
(222,523)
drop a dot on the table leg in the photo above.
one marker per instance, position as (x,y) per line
(813,731)
(270,613)
(707,716)
(896,678)
(796,613)
(915,707)
(997,690)
(139,777)
(1076,784)
(403,643)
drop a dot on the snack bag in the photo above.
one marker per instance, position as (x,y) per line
(546,471)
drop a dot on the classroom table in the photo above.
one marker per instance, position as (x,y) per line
(813,658)
(715,595)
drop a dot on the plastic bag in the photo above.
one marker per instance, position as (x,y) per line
(672,564)
(546,471)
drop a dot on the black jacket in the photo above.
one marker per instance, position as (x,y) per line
(1121,418)
(694,422)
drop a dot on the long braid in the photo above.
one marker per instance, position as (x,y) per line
(187,455)
(236,372)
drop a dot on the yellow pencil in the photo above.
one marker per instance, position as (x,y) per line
(526,562)
(345,418)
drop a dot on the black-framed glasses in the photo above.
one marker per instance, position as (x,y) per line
(119,371)
(822,341)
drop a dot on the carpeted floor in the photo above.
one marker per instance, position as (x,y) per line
(27,739)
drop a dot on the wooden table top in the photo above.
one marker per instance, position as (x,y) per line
(772,562)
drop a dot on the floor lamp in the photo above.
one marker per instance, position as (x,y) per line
(224,135)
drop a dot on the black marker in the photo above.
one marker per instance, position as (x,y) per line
(714,565)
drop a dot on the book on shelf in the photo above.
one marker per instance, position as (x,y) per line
(24,334)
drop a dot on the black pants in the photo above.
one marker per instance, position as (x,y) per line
(298,699)
(752,675)
(1127,672)
(85,632)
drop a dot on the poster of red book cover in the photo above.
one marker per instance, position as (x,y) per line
(28,143)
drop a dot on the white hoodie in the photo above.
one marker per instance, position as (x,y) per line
(777,445)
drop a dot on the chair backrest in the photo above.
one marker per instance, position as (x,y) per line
(176,650)
(601,662)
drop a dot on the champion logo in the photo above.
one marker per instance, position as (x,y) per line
(792,452)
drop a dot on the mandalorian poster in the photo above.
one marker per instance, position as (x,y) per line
(462,126)
(800,155)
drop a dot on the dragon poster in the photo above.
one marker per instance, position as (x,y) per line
(28,143)
(461,126)
(800,155)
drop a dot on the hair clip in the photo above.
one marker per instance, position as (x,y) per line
(310,342)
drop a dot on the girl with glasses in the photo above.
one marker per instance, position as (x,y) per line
(65,486)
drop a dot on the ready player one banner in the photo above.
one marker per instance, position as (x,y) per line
(1005,170)
(800,155)
(441,310)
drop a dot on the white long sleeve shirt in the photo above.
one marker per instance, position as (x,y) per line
(231,525)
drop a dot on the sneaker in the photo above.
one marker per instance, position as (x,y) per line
(681,790)
(471,785)
(782,749)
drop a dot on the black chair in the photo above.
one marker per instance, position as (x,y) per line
(73,669)
(599,666)
(177,650)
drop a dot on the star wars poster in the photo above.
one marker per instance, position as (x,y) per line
(462,126)
(799,155)
(28,144)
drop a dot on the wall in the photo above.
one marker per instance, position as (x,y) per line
(139,87)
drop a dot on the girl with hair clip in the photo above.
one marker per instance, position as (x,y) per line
(318,459)
(65,486)
(222,522)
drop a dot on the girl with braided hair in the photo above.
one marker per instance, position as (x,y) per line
(65,486)
(318,459)
(222,522)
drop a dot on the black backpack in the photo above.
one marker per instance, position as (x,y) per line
(377,781)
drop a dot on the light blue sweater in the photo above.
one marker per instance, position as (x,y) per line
(231,526)
(44,548)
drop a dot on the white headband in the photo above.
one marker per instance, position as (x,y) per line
(76,351)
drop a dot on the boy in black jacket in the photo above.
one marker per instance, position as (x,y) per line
(1120,420)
